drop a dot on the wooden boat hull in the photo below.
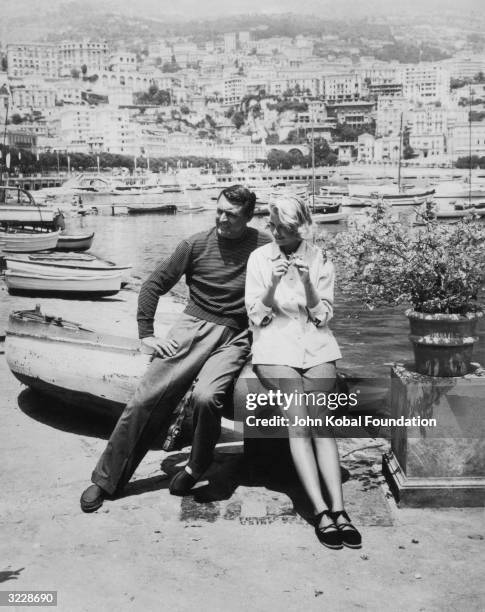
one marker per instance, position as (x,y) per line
(404,199)
(261,211)
(26,214)
(75,262)
(329,217)
(25,242)
(43,268)
(145,210)
(79,366)
(79,286)
(452,214)
(68,242)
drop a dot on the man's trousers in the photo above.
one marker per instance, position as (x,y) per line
(214,354)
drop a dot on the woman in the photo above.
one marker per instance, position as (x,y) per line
(289,299)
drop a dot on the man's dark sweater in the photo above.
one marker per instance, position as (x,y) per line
(215,273)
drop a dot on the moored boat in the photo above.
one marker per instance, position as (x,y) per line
(329,217)
(324,208)
(261,210)
(144,209)
(391,194)
(69,285)
(451,213)
(74,242)
(18,207)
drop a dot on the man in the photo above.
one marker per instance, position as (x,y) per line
(209,342)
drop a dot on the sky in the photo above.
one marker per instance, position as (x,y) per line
(200,9)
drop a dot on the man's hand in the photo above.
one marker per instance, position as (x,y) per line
(160,346)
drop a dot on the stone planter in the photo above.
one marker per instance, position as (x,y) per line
(443,343)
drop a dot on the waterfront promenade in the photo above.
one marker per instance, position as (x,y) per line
(242,547)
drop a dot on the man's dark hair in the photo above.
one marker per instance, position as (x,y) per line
(240,195)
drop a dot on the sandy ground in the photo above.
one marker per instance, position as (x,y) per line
(244,548)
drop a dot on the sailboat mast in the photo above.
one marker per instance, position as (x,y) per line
(470,147)
(4,154)
(400,157)
(313,164)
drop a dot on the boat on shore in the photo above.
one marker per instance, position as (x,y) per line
(74,242)
(51,264)
(81,367)
(29,241)
(70,285)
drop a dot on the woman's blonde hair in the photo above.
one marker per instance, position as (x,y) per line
(293,213)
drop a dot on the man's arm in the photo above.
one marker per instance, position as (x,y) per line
(167,273)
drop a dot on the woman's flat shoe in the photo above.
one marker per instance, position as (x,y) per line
(350,536)
(329,535)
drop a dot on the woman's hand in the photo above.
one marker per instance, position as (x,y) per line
(160,346)
(279,269)
(303,270)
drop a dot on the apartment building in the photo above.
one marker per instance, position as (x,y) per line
(354,114)
(465,138)
(426,83)
(33,94)
(93,129)
(123,62)
(32,59)
(75,54)
(382,149)
(344,87)
(388,114)
(465,65)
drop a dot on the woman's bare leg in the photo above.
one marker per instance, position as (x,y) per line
(321,379)
(289,380)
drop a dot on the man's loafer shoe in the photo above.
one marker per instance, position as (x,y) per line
(92,499)
(182,483)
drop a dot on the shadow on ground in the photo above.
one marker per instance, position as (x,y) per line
(93,422)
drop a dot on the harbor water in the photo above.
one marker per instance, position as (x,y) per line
(369,340)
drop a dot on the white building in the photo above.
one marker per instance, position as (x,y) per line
(33,94)
(230,42)
(95,129)
(465,138)
(388,115)
(341,87)
(465,65)
(426,83)
(123,62)
(76,54)
(32,59)
(378,150)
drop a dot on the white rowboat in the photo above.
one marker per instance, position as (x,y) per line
(45,268)
(75,285)
(29,242)
(329,217)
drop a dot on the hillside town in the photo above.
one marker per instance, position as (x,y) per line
(248,96)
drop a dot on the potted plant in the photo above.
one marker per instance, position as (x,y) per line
(438,269)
